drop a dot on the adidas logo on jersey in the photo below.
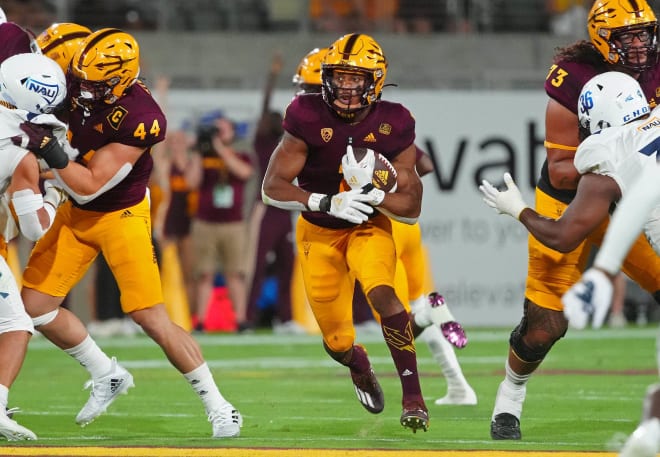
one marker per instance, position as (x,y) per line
(369,138)
(126,213)
(406,372)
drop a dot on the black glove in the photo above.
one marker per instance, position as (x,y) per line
(43,143)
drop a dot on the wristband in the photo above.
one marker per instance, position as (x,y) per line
(319,202)
(54,155)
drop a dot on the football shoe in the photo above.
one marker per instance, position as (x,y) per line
(104,391)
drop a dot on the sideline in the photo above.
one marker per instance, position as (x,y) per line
(252,452)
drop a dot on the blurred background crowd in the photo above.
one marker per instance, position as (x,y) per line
(337,16)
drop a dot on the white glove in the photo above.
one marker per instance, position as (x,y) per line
(375,195)
(347,205)
(508,202)
(589,298)
(350,207)
(53,193)
(358,174)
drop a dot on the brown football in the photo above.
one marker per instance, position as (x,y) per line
(384,176)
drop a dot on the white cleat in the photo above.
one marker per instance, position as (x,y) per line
(104,391)
(13,431)
(226,421)
(463,396)
(645,440)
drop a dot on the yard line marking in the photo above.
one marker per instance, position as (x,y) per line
(252,452)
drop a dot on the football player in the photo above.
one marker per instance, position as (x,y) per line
(613,105)
(411,271)
(61,40)
(344,234)
(114,123)
(19,176)
(622,36)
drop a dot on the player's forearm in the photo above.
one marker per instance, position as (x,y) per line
(550,232)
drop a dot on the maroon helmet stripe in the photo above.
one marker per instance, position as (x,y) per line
(349,46)
(92,43)
(63,39)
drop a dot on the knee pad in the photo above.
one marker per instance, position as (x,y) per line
(45,318)
(538,330)
(343,357)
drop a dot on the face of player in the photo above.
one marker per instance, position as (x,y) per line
(635,44)
(349,88)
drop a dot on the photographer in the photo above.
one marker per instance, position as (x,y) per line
(219,173)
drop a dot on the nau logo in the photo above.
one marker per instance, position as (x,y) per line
(385,129)
(326,134)
(369,138)
(117,117)
(48,92)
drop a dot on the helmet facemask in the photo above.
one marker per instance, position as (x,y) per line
(341,97)
(635,48)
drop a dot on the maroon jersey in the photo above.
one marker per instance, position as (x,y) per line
(15,40)
(220,193)
(388,129)
(264,145)
(134,120)
(564,84)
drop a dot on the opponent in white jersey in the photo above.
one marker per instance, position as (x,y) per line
(618,159)
(31,86)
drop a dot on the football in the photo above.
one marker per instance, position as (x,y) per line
(384,176)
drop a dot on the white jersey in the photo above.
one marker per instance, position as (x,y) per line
(622,153)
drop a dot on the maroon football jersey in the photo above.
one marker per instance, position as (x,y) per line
(135,120)
(388,129)
(565,80)
(564,84)
(15,40)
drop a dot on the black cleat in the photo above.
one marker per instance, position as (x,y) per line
(368,391)
(415,417)
(505,426)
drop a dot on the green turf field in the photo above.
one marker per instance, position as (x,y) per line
(586,397)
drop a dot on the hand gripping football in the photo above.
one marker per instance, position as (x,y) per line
(384,175)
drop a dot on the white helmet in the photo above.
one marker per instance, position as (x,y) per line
(610,99)
(32,82)
(3,16)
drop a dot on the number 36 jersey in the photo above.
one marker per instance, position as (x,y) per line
(622,153)
(134,120)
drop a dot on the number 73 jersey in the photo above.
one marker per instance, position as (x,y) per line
(622,153)
(134,120)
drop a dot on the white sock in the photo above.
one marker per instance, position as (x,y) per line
(4,398)
(420,310)
(201,380)
(90,356)
(443,353)
(511,393)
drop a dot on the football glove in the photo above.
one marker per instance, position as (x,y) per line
(53,193)
(42,141)
(376,196)
(589,299)
(508,202)
(347,205)
(358,174)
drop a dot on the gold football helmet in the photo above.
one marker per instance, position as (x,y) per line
(104,66)
(354,53)
(60,42)
(614,24)
(308,75)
